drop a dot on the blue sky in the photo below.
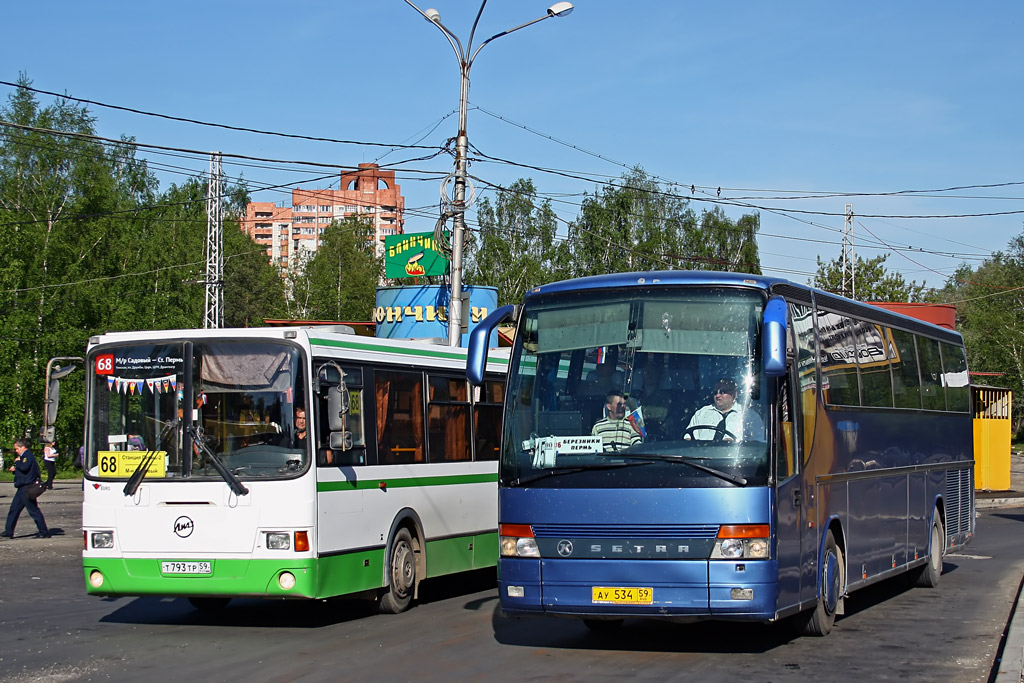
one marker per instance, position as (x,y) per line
(773,102)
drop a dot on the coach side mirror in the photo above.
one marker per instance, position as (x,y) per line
(773,337)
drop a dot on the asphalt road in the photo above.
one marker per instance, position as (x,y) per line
(51,631)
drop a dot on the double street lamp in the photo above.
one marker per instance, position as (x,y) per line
(466,58)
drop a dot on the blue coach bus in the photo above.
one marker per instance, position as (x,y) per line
(703,445)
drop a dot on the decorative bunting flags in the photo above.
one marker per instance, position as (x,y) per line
(155,385)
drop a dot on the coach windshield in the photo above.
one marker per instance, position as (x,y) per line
(650,388)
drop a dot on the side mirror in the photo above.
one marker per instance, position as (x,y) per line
(476,355)
(341,441)
(773,337)
(54,374)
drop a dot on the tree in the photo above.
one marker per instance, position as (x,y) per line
(989,302)
(636,224)
(516,246)
(872,280)
(339,282)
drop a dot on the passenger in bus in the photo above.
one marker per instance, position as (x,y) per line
(615,430)
(723,419)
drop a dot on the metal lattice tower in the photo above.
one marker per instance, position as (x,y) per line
(213,316)
(849,261)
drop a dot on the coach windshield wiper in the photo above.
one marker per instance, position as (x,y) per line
(232,481)
(139,473)
(692,462)
(557,471)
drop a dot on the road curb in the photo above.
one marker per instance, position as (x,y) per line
(1010,659)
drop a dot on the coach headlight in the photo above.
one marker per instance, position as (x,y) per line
(516,540)
(742,542)
(278,540)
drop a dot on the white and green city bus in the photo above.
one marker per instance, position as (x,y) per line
(198,482)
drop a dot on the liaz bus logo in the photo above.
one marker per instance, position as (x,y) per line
(183,526)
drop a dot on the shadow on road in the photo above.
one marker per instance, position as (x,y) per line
(265,613)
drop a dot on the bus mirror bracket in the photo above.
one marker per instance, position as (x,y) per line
(54,374)
(476,356)
(773,337)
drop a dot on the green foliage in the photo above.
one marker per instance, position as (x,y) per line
(989,302)
(873,282)
(517,243)
(340,281)
(636,224)
(91,245)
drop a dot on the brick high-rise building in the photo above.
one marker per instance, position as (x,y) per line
(285,230)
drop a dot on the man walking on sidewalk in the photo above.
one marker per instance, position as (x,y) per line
(26,471)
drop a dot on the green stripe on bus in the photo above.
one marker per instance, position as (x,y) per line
(407,482)
(362,346)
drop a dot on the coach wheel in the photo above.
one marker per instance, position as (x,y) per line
(401,574)
(209,604)
(928,575)
(819,620)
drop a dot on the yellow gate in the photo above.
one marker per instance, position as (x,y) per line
(991,438)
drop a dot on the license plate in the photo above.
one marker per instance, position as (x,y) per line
(186,568)
(622,596)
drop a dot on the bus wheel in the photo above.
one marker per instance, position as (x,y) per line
(928,575)
(819,621)
(401,574)
(209,604)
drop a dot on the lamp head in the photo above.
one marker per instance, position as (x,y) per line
(435,16)
(560,9)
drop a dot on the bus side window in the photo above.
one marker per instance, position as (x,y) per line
(399,397)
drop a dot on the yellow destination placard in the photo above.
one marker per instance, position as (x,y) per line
(121,464)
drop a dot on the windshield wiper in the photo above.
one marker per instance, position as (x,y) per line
(139,473)
(557,471)
(232,481)
(692,462)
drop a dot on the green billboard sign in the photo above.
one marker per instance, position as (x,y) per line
(412,255)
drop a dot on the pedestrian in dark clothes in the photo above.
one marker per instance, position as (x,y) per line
(26,471)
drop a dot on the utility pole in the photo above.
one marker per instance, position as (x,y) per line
(849,286)
(466,57)
(213,314)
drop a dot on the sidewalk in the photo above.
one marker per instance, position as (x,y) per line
(1010,667)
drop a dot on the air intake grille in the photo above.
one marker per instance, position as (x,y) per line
(625,530)
(959,490)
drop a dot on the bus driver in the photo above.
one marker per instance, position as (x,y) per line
(723,419)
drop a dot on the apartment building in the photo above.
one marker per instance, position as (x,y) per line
(288,231)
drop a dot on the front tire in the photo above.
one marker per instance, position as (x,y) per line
(819,621)
(401,574)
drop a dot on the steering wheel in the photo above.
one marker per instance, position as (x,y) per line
(689,431)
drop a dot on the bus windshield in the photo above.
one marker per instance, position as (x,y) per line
(239,402)
(641,389)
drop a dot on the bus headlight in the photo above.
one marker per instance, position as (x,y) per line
(103,539)
(95,578)
(742,542)
(278,540)
(516,540)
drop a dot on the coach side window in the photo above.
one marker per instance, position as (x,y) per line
(873,359)
(932,394)
(906,381)
(838,360)
(954,377)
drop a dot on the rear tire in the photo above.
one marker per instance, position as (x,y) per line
(401,574)
(209,604)
(928,575)
(819,620)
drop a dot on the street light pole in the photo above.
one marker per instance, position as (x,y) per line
(466,58)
